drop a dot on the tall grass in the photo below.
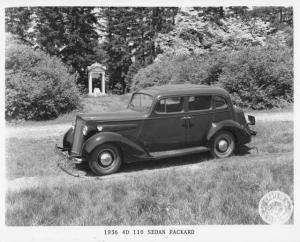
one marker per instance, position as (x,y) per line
(225,193)
(31,157)
(211,191)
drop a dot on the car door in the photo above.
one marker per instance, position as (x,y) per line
(222,110)
(200,117)
(165,129)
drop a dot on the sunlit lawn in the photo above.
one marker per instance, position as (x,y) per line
(192,190)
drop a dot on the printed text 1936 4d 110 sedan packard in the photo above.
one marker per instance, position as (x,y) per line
(159,122)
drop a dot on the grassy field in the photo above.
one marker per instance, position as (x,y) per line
(185,190)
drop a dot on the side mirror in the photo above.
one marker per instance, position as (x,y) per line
(251,120)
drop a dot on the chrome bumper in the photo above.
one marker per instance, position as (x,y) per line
(63,152)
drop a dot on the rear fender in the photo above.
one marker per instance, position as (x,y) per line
(131,151)
(240,133)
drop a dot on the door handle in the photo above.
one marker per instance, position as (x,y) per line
(187,123)
(186,117)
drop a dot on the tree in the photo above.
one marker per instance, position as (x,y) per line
(238,12)
(18,22)
(278,16)
(66,32)
(213,14)
(194,34)
(117,45)
(130,40)
(69,33)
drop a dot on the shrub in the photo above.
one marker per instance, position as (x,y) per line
(259,77)
(38,86)
(256,77)
(158,73)
(203,69)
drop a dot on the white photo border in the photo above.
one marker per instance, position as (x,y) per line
(202,232)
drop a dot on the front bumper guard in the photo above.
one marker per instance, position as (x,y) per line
(64,153)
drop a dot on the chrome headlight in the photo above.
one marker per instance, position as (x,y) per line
(85,130)
(100,128)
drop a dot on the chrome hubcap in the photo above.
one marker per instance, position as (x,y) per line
(106,158)
(222,145)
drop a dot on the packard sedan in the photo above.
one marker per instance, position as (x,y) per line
(159,122)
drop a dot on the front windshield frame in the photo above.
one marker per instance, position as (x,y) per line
(145,110)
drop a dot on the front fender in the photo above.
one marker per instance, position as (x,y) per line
(239,131)
(68,138)
(131,151)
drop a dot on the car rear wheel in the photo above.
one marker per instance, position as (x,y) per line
(105,160)
(223,144)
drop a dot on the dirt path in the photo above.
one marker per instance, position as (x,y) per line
(282,116)
(51,130)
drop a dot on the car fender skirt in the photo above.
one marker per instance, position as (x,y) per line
(240,132)
(131,151)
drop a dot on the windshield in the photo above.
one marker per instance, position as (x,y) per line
(141,102)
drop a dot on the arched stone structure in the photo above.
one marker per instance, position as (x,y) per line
(96,71)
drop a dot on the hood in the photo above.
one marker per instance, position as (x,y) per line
(128,114)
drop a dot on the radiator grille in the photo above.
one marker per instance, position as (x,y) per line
(78,137)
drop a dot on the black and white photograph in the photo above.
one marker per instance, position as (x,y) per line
(149,121)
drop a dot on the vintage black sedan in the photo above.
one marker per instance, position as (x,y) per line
(159,122)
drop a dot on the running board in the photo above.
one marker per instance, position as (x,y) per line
(178,152)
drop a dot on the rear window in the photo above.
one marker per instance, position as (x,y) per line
(197,103)
(220,102)
(170,105)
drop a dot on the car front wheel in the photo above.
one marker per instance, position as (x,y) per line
(105,160)
(223,144)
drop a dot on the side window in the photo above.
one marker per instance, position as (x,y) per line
(220,103)
(160,106)
(199,103)
(170,105)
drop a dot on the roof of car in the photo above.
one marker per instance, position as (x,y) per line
(182,89)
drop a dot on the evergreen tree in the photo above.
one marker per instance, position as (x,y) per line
(240,11)
(18,22)
(69,33)
(117,46)
(213,14)
(66,32)
(278,16)
(130,41)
